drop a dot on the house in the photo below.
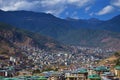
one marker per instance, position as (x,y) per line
(69,75)
(117,71)
(3,73)
(107,76)
(101,69)
(79,74)
(7,72)
(54,75)
(91,70)
(23,73)
(82,73)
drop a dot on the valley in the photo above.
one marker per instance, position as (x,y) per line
(35,43)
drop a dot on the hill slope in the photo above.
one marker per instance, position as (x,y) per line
(88,37)
(112,24)
(11,39)
(114,60)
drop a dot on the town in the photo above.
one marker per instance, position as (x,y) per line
(59,39)
(79,64)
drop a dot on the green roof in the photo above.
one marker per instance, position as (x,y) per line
(10,79)
(42,78)
(101,68)
(35,77)
(94,76)
(82,71)
(1,77)
(32,78)
(25,78)
(117,67)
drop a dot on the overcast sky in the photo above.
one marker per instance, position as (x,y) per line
(83,9)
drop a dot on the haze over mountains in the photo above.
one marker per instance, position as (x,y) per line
(91,32)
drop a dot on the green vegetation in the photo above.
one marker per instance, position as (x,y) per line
(117,54)
(117,61)
(36,71)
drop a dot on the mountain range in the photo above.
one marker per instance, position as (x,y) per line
(91,32)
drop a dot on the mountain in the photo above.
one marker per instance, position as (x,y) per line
(112,24)
(36,22)
(91,32)
(13,39)
(50,25)
(92,23)
(92,38)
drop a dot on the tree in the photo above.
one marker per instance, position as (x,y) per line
(36,71)
(118,62)
(117,54)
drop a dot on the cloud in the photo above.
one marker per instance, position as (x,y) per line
(80,3)
(87,9)
(58,6)
(92,13)
(55,7)
(114,6)
(67,13)
(75,15)
(55,11)
(0,1)
(50,3)
(17,5)
(106,10)
(115,3)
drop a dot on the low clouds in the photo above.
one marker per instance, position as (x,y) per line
(106,10)
(55,7)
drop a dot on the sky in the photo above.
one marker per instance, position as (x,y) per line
(77,9)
